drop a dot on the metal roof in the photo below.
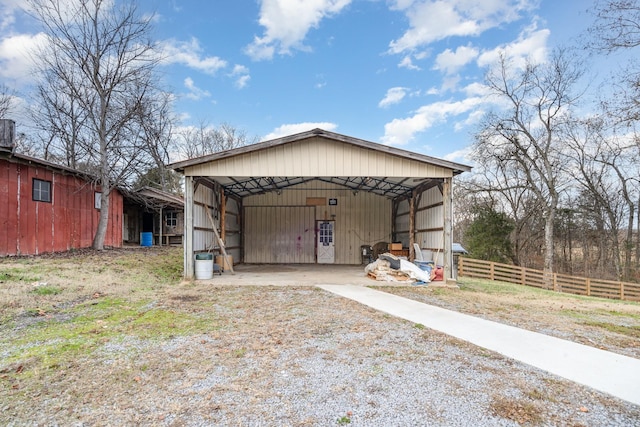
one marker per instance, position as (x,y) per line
(258,159)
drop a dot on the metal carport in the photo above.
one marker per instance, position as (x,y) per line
(263,198)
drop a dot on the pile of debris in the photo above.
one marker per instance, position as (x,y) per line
(391,268)
(381,270)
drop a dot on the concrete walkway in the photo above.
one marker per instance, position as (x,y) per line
(602,370)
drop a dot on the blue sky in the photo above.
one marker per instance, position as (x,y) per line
(401,72)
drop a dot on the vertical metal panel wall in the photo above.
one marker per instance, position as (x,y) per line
(203,236)
(429,223)
(233,229)
(402,223)
(69,221)
(361,218)
(280,235)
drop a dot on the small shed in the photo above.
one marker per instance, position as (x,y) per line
(46,207)
(317,197)
(155,211)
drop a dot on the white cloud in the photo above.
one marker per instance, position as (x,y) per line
(175,6)
(195,93)
(240,69)
(242,81)
(8,9)
(321,81)
(464,155)
(531,45)
(407,63)
(477,89)
(241,74)
(15,61)
(472,119)
(286,24)
(432,20)
(291,129)
(450,61)
(393,96)
(402,131)
(190,54)
(450,83)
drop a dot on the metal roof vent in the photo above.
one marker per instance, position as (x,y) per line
(7,134)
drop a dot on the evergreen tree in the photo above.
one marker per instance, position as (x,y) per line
(488,236)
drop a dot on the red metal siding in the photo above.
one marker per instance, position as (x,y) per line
(69,221)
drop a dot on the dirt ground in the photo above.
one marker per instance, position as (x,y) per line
(607,324)
(119,334)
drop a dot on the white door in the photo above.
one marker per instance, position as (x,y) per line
(326,247)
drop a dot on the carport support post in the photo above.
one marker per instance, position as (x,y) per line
(447,201)
(188,228)
(412,225)
(160,227)
(223,215)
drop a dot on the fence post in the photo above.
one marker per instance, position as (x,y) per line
(555,282)
(460,266)
(622,290)
(523,276)
(588,287)
(491,271)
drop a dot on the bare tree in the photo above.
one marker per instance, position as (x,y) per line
(100,57)
(525,136)
(623,166)
(6,97)
(156,125)
(617,25)
(606,169)
(590,171)
(503,186)
(204,139)
(617,28)
(60,120)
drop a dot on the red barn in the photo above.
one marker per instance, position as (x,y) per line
(49,208)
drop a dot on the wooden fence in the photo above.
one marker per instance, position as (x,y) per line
(469,267)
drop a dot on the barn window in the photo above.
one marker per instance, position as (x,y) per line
(41,190)
(171,219)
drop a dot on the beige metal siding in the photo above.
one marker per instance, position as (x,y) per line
(429,223)
(360,219)
(203,236)
(279,235)
(402,224)
(317,157)
(430,216)
(233,228)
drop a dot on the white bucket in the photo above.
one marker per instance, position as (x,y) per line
(204,266)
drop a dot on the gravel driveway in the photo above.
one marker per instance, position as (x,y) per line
(292,356)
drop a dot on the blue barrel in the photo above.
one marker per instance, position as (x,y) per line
(146,239)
